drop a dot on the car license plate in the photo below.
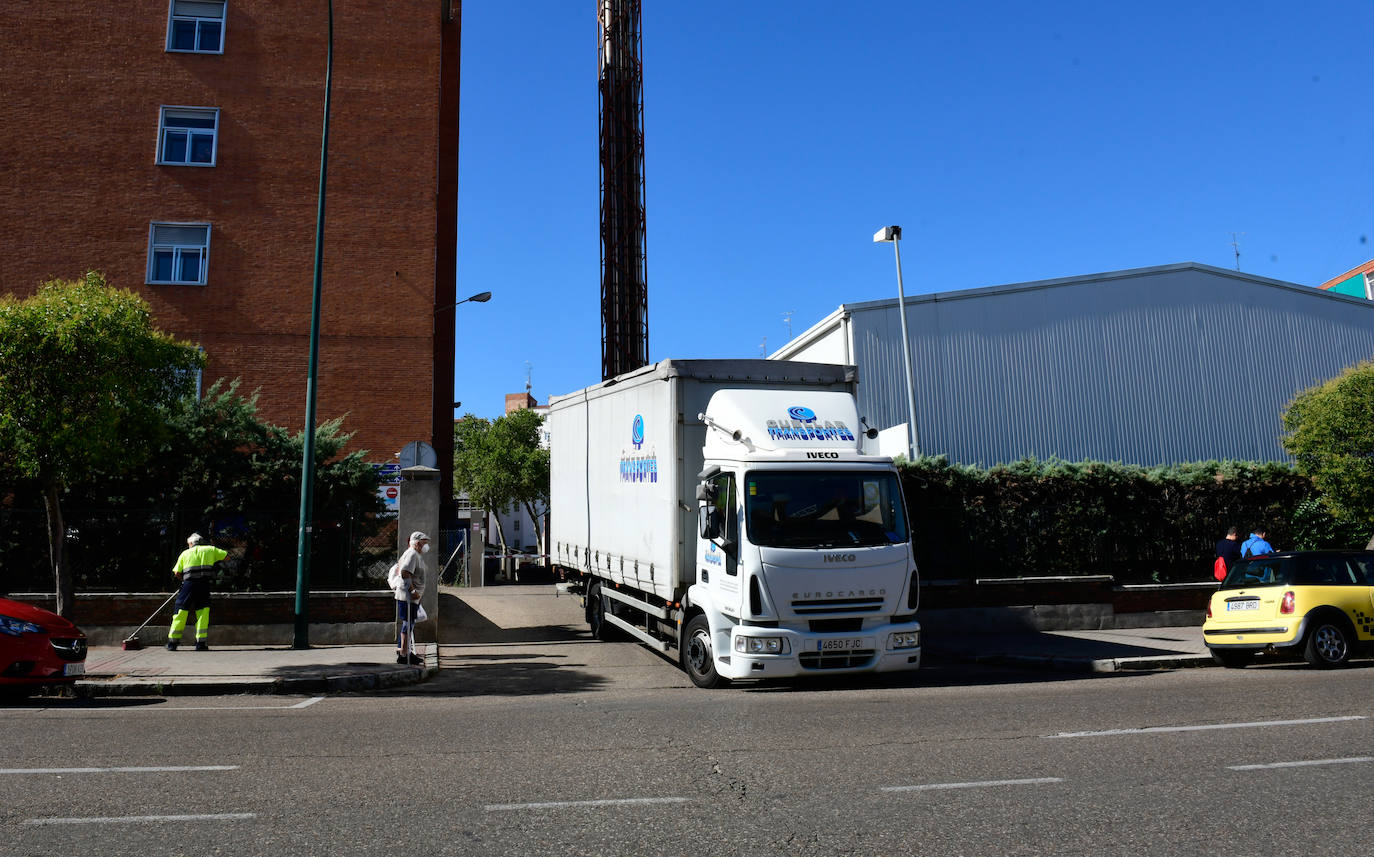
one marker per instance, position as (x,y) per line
(74,669)
(843,645)
(1238,606)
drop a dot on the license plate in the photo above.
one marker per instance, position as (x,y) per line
(840,645)
(1238,606)
(74,669)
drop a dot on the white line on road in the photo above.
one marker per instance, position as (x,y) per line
(1207,727)
(306,704)
(1352,760)
(125,770)
(973,785)
(564,804)
(135,819)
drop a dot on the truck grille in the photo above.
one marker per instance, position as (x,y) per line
(837,660)
(833,606)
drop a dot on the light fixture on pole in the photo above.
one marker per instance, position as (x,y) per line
(479,298)
(893,235)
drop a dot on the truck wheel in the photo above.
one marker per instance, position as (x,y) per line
(596,614)
(697,660)
(1328,643)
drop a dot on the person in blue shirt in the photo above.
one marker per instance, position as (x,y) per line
(1256,544)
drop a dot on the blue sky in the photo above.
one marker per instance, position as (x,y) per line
(1011,141)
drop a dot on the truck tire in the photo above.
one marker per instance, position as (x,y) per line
(596,615)
(697,658)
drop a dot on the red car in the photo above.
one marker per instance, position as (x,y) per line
(37,648)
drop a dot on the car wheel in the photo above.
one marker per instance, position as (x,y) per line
(1233,658)
(1328,643)
(697,658)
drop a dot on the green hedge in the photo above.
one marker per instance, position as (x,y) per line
(1140,525)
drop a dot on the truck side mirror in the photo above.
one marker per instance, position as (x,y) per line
(706,491)
(709,523)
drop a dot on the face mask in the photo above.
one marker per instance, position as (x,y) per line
(424,548)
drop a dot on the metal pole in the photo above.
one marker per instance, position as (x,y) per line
(302,636)
(915,447)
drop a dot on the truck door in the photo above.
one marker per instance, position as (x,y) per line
(721,561)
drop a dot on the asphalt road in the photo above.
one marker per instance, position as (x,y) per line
(592,748)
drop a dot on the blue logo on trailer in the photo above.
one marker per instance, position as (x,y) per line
(639,468)
(805,415)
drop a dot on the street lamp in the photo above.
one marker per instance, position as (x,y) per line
(479,298)
(893,235)
(443,442)
(301,636)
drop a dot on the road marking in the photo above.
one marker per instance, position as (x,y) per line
(125,770)
(136,819)
(1352,760)
(980,784)
(1208,727)
(564,804)
(306,704)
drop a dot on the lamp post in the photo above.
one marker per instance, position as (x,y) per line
(893,235)
(443,444)
(301,639)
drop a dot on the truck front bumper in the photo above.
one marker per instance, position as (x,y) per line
(886,648)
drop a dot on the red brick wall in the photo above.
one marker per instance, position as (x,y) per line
(79,186)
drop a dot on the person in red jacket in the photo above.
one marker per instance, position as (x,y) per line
(1228,551)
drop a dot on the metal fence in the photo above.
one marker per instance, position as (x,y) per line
(133,550)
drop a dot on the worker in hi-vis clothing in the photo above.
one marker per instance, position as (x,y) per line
(194,568)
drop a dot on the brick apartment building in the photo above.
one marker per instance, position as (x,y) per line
(175,146)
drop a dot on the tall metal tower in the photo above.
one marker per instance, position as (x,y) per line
(620,91)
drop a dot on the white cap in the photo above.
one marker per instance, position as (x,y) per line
(193,539)
(418,536)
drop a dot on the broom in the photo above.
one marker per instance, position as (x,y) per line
(132,643)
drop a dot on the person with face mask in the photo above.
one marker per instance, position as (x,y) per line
(411,568)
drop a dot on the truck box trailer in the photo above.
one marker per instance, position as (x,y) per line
(724,510)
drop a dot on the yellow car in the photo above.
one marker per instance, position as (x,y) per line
(1317,603)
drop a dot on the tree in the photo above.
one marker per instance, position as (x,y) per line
(501,464)
(86,382)
(1329,431)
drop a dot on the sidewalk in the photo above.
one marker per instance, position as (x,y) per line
(496,616)
(154,671)
(1078,651)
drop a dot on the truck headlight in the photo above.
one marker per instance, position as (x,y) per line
(904,640)
(760,645)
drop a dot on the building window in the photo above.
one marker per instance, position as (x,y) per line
(178,253)
(188,136)
(196,26)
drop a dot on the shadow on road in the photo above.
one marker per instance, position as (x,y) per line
(515,676)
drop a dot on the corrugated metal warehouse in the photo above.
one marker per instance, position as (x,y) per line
(1147,366)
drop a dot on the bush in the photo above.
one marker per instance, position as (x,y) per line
(1141,525)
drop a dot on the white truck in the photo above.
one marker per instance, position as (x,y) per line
(725,510)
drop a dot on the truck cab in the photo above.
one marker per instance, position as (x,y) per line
(804,561)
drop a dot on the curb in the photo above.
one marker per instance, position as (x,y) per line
(99,688)
(1053,663)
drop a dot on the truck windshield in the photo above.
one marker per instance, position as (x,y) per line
(809,509)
